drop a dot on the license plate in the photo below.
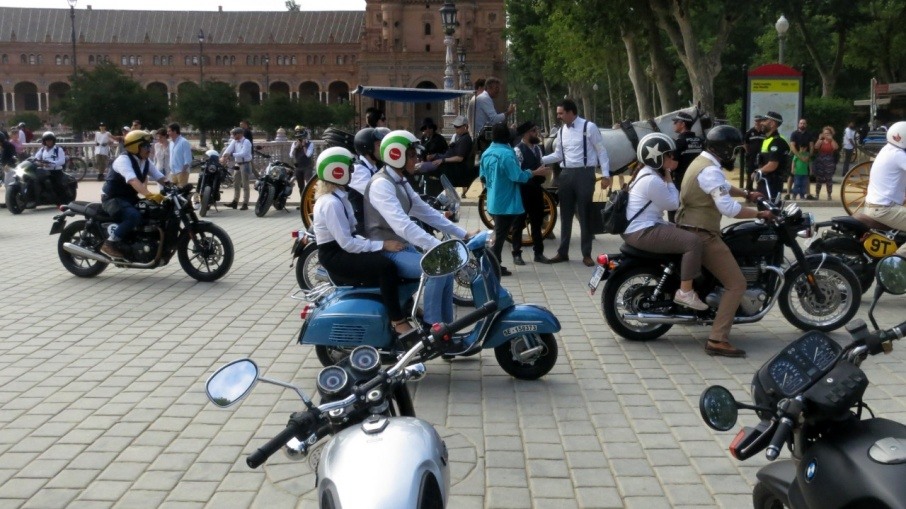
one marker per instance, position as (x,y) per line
(595,278)
(57,227)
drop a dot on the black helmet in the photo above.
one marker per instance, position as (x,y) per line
(722,141)
(337,138)
(364,142)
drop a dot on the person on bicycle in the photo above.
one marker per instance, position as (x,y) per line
(127,179)
(344,254)
(50,157)
(887,183)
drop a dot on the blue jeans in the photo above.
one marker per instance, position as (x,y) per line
(800,185)
(125,213)
(438,290)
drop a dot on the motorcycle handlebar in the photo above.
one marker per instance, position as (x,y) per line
(784,428)
(298,424)
(440,332)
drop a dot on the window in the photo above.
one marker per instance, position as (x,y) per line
(59,60)
(156,60)
(23,59)
(427,28)
(292,60)
(31,59)
(427,48)
(188,60)
(124,60)
(4,59)
(65,59)
(217,60)
(308,59)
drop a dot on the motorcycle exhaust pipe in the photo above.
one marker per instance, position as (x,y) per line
(84,253)
(672,319)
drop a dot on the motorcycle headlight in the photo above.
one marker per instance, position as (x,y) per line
(810,226)
(442,199)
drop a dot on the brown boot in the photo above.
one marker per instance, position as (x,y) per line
(110,249)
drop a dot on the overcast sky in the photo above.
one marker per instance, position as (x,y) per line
(197,5)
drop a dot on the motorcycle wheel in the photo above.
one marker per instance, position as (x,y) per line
(208,257)
(307,207)
(850,251)
(625,290)
(836,282)
(330,355)
(539,365)
(762,498)
(15,202)
(547,224)
(462,280)
(265,199)
(307,268)
(75,233)
(205,201)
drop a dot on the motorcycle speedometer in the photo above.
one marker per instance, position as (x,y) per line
(332,380)
(365,360)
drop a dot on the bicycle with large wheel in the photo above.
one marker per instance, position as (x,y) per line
(76,167)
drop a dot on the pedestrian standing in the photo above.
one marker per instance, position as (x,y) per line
(825,164)
(180,155)
(849,145)
(102,142)
(580,149)
(301,152)
(161,151)
(753,139)
(802,142)
(240,150)
(529,154)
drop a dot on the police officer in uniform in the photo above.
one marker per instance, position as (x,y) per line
(774,159)
(688,146)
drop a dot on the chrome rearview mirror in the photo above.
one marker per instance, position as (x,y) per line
(718,408)
(445,258)
(891,275)
(229,384)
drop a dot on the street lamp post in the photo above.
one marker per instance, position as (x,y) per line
(267,76)
(448,19)
(201,134)
(461,56)
(72,4)
(781,26)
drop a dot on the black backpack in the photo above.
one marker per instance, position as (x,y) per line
(613,215)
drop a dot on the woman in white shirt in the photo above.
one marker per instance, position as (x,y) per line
(341,252)
(652,192)
(162,151)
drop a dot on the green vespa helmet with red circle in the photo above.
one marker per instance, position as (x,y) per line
(334,165)
(394,148)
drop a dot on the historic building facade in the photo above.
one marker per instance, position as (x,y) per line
(318,55)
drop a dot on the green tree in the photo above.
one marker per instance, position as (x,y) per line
(343,114)
(105,93)
(212,107)
(314,114)
(276,111)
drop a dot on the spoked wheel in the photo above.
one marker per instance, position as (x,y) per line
(622,296)
(205,201)
(855,187)
(850,251)
(307,208)
(547,224)
(528,357)
(76,167)
(839,290)
(307,268)
(75,233)
(207,255)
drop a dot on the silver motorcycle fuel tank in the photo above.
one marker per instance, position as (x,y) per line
(385,462)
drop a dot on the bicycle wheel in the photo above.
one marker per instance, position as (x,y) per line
(855,187)
(76,167)
(307,209)
(547,224)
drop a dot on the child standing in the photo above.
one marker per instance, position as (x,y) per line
(800,175)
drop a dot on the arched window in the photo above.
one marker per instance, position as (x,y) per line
(188,60)
(292,60)
(4,59)
(170,60)
(427,28)
(323,58)
(24,59)
(248,60)
(232,59)
(40,59)
(132,60)
(138,60)
(31,59)
(308,59)
(65,59)
(59,60)
(155,60)
(217,60)
(90,59)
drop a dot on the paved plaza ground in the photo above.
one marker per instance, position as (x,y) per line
(102,401)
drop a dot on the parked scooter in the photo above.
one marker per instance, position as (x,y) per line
(274,186)
(21,192)
(338,319)
(805,396)
(380,455)
(210,176)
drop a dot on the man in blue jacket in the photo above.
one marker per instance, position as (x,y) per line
(501,173)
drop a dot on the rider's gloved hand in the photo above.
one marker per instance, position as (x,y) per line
(155,197)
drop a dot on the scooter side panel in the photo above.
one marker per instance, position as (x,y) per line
(358,318)
(520,320)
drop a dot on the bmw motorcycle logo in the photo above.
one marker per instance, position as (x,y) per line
(810,471)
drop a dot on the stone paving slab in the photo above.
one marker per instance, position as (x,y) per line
(102,401)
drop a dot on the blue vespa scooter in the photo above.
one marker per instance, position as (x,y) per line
(340,318)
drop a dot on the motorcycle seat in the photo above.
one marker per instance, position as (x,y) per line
(628,250)
(870,222)
(89,209)
(850,223)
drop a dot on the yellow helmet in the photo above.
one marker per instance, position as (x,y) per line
(135,139)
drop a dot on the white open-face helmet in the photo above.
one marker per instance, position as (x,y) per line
(335,165)
(394,146)
(896,135)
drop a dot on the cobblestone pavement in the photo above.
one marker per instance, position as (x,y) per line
(102,401)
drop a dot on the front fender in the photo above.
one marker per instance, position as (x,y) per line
(520,320)
(779,477)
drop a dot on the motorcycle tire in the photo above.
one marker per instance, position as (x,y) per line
(462,280)
(212,249)
(762,498)
(307,268)
(15,202)
(75,233)
(850,251)
(330,355)
(205,201)
(265,199)
(616,285)
(507,357)
(836,281)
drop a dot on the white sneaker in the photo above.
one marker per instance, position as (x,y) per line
(690,300)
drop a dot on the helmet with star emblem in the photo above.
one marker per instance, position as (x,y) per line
(652,148)
(896,135)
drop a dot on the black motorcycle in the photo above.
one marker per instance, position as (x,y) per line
(815,292)
(211,175)
(809,398)
(274,186)
(22,191)
(204,249)
(858,240)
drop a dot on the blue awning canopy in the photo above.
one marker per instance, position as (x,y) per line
(410,95)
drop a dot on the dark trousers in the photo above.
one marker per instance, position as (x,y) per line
(371,269)
(124,212)
(576,191)
(847,160)
(533,202)
(774,182)
(502,225)
(303,175)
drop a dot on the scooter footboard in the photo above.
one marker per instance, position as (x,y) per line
(519,320)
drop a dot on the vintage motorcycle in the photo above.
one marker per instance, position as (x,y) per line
(340,318)
(21,190)
(809,398)
(380,455)
(205,251)
(858,240)
(274,186)
(211,175)
(815,292)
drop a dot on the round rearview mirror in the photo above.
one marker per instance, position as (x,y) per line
(231,383)
(718,408)
(445,258)
(891,275)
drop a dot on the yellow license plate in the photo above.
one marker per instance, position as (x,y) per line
(878,246)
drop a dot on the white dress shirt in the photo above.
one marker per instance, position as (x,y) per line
(568,147)
(663,196)
(309,149)
(241,150)
(382,195)
(485,113)
(123,166)
(335,221)
(713,182)
(887,180)
(362,174)
(849,139)
(55,155)
(102,143)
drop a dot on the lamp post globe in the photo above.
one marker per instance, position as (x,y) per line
(782,26)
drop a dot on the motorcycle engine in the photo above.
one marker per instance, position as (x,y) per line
(144,246)
(752,300)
